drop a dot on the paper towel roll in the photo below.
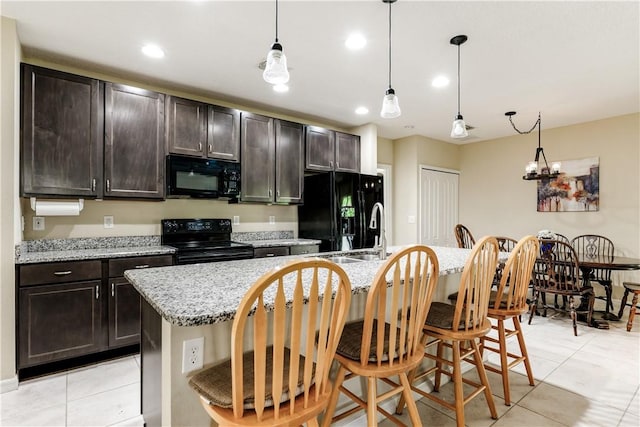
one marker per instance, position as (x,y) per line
(47,208)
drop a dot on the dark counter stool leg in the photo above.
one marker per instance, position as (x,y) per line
(633,288)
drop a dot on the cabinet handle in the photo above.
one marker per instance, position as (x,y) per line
(93,184)
(330,163)
(271,255)
(142,266)
(113,289)
(62,273)
(108,186)
(97,291)
(199,146)
(337,164)
(210,148)
(278,193)
(270,193)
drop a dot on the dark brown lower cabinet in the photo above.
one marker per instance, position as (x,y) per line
(59,321)
(77,308)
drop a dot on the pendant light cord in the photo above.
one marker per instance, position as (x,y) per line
(458,79)
(389,45)
(538,122)
(276,21)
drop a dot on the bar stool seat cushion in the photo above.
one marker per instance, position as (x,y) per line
(214,384)
(350,342)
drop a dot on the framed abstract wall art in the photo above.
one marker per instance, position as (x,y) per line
(576,189)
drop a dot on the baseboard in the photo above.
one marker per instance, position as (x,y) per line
(9,384)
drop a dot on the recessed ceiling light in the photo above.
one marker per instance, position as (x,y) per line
(355,41)
(362,110)
(440,81)
(153,51)
(281,88)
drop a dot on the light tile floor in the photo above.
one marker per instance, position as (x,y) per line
(589,380)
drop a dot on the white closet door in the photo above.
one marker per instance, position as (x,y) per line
(438,207)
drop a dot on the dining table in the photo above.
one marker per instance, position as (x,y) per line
(589,262)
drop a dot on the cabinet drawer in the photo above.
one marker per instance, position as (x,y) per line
(60,272)
(272,251)
(118,266)
(305,249)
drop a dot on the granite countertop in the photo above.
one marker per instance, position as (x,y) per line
(78,249)
(282,242)
(199,294)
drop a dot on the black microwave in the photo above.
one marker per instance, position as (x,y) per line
(197,177)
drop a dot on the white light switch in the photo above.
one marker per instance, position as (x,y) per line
(272,219)
(108,221)
(411,219)
(236,220)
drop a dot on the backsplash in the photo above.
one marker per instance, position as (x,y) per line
(44,245)
(248,236)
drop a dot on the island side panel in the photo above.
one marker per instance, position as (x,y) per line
(151,365)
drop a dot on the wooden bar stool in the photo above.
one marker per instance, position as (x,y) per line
(635,289)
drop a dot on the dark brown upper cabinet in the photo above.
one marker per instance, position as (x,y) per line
(223,135)
(134,154)
(347,152)
(320,149)
(202,130)
(289,168)
(328,150)
(61,122)
(257,143)
(186,126)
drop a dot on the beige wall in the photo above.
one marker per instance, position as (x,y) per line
(408,154)
(385,151)
(494,199)
(10,55)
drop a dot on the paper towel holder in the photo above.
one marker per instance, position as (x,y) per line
(33,201)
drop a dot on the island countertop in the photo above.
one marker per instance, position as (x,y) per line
(199,294)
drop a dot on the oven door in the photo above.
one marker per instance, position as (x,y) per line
(192,257)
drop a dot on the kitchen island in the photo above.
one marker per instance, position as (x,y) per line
(199,300)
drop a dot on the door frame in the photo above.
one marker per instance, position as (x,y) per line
(436,169)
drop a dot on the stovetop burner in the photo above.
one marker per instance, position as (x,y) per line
(203,240)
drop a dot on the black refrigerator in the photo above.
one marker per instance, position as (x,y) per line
(337,210)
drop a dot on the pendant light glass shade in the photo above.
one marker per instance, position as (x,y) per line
(459,129)
(390,105)
(275,71)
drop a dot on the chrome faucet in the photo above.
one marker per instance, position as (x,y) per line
(380,243)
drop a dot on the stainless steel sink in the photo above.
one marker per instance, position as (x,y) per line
(365,257)
(342,259)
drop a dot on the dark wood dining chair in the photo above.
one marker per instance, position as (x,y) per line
(593,245)
(506,244)
(278,374)
(464,237)
(557,272)
(630,288)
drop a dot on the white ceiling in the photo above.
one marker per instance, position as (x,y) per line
(573,61)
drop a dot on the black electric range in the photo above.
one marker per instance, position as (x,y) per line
(203,240)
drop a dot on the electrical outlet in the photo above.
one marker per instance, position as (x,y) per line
(38,223)
(192,354)
(236,220)
(272,219)
(108,221)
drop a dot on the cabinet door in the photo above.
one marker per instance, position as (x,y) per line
(258,151)
(270,251)
(223,136)
(134,142)
(61,134)
(289,162)
(124,313)
(59,321)
(347,152)
(319,146)
(186,126)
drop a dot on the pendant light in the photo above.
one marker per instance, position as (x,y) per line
(390,104)
(459,129)
(536,170)
(275,70)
